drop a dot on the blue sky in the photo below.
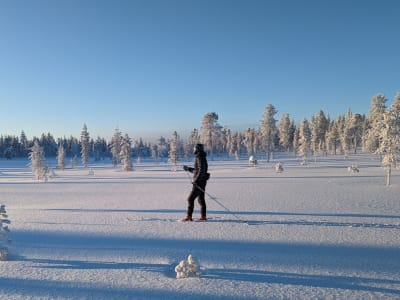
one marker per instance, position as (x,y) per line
(154,66)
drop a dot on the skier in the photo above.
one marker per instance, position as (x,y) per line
(200,177)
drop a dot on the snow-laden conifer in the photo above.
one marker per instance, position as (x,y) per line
(85,143)
(304,140)
(268,130)
(389,140)
(4,240)
(333,138)
(38,162)
(125,154)
(61,157)
(175,150)
(284,132)
(375,116)
(115,147)
(250,143)
(210,132)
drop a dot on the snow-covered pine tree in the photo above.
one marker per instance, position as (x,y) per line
(125,154)
(4,240)
(333,138)
(234,149)
(355,124)
(61,157)
(389,141)
(175,149)
(304,139)
(296,139)
(154,151)
(193,139)
(345,138)
(292,130)
(115,147)
(284,132)
(210,132)
(396,103)
(319,126)
(268,130)
(163,147)
(375,116)
(250,137)
(38,162)
(85,143)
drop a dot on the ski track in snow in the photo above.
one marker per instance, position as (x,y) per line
(310,232)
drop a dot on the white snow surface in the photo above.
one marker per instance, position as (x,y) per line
(310,232)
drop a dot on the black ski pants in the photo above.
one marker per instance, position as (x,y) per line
(198,191)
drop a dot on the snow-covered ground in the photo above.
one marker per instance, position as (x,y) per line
(310,232)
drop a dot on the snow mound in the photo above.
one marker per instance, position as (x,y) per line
(187,268)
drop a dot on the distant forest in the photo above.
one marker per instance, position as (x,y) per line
(348,133)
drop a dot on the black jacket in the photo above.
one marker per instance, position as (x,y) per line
(200,170)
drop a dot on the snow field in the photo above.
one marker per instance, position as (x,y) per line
(315,231)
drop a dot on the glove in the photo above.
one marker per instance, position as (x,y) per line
(186,168)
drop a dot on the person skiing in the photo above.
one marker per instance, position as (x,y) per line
(199,181)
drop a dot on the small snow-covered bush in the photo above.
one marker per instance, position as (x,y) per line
(3,233)
(278,168)
(252,161)
(187,268)
(353,169)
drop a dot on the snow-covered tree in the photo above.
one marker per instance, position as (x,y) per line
(353,130)
(163,147)
(268,130)
(38,162)
(333,138)
(375,116)
(210,132)
(292,131)
(154,151)
(389,141)
(284,132)
(250,137)
(115,147)
(61,157)
(175,149)
(85,140)
(193,139)
(304,139)
(319,126)
(296,140)
(125,154)
(4,240)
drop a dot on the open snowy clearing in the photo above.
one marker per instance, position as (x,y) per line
(311,232)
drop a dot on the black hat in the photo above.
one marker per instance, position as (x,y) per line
(199,147)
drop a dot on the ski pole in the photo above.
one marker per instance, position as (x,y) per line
(219,203)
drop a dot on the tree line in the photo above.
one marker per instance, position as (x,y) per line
(348,133)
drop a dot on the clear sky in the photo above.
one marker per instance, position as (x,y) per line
(150,67)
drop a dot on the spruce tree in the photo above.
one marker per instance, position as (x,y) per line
(115,147)
(85,145)
(210,132)
(61,157)
(268,130)
(304,139)
(375,116)
(284,132)
(38,162)
(125,154)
